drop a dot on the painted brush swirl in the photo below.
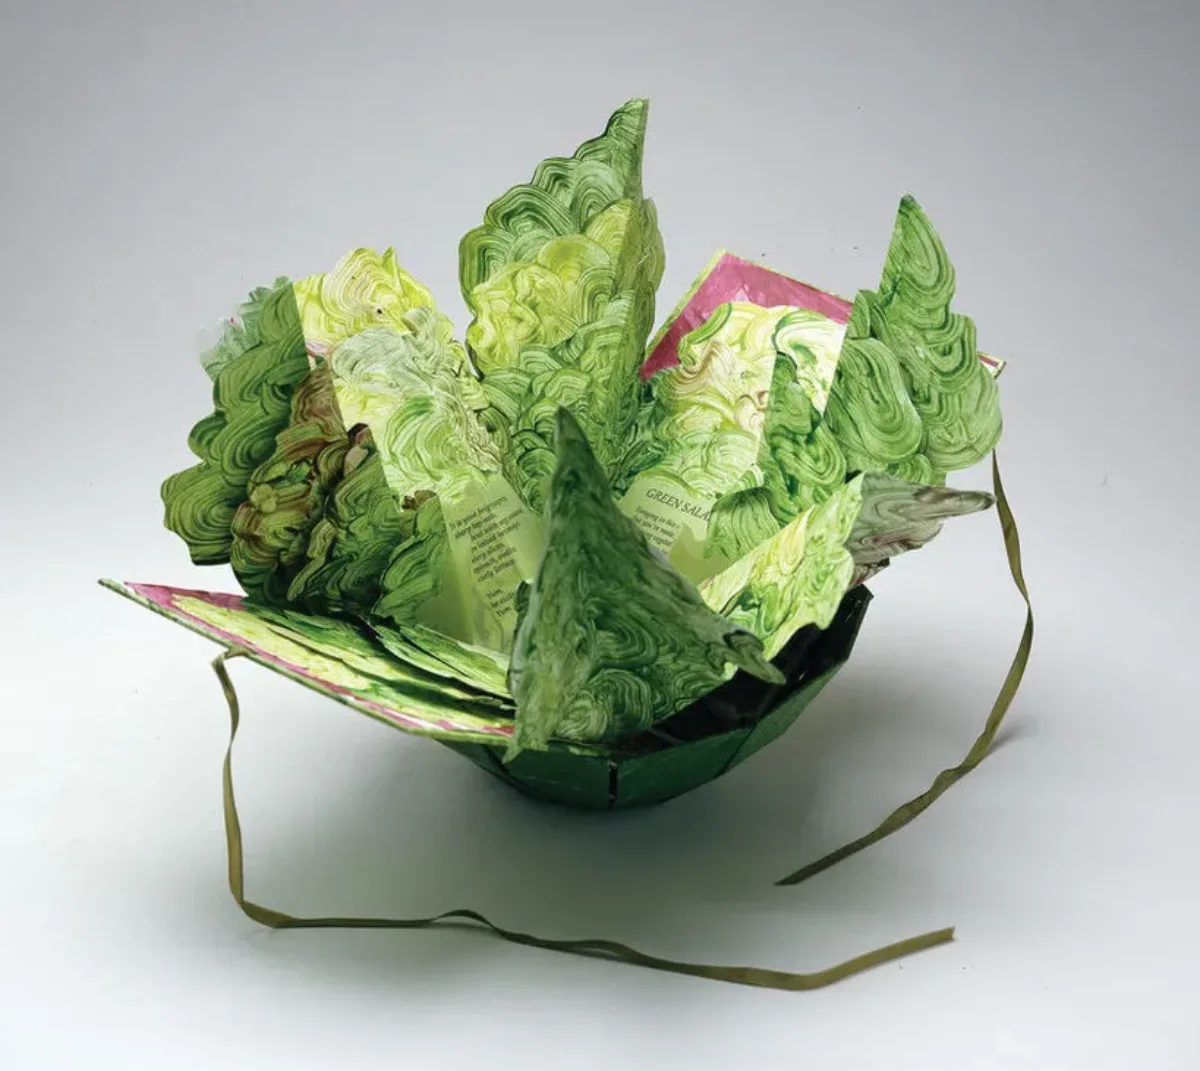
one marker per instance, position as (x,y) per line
(365,289)
(252,404)
(240,332)
(610,638)
(813,342)
(950,388)
(869,410)
(585,373)
(795,578)
(353,539)
(799,462)
(897,517)
(286,494)
(710,410)
(415,568)
(414,390)
(560,280)
(562,198)
(739,522)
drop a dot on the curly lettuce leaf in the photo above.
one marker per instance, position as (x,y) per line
(321,652)
(365,289)
(707,417)
(416,568)
(355,536)
(905,395)
(799,576)
(611,638)
(413,388)
(444,656)
(801,461)
(812,343)
(562,198)
(738,523)
(795,578)
(799,458)
(870,412)
(898,516)
(398,373)
(579,374)
(240,332)
(252,394)
(560,280)
(953,393)
(286,494)
(368,653)
(710,410)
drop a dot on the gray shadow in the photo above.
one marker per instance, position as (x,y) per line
(426,831)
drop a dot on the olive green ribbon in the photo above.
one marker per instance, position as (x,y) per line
(906,812)
(756,976)
(612,950)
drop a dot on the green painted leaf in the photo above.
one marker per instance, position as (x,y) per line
(365,289)
(899,516)
(560,280)
(328,654)
(252,394)
(739,522)
(800,460)
(796,578)
(350,545)
(240,332)
(286,494)
(870,412)
(437,653)
(612,638)
(954,394)
(414,389)
(371,655)
(564,196)
(416,568)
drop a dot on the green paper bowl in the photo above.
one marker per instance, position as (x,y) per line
(694,747)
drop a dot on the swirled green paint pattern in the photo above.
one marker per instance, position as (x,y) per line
(521,520)
(612,638)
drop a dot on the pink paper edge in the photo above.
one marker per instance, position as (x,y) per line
(164,597)
(735,279)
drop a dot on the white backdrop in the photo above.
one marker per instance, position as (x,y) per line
(160,159)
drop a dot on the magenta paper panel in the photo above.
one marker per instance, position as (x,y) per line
(735,279)
(230,621)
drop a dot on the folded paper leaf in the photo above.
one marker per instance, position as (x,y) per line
(251,405)
(240,332)
(796,578)
(870,413)
(955,397)
(707,416)
(444,656)
(799,460)
(898,516)
(366,289)
(799,575)
(362,528)
(560,280)
(286,495)
(324,657)
(612,638)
